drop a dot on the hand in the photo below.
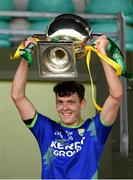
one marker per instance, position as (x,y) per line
(29,40)
(29,46)
(101,43)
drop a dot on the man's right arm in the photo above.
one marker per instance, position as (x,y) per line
(23,104)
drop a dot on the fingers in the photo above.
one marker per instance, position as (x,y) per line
(29,40)
(101,43)
(101,39)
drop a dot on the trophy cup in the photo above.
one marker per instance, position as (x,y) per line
(62,45)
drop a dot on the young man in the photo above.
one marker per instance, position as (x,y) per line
(70,149)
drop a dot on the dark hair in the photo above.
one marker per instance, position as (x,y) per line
(67,88)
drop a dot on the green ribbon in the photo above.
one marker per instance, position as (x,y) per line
(27,53)
(117,56)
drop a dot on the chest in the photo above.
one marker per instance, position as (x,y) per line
(67,143)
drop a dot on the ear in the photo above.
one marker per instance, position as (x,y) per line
(83,103)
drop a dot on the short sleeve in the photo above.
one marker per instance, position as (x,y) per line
(39,127)
(102,131)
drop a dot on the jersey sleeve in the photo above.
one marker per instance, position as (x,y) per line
(102,129)
(39,126)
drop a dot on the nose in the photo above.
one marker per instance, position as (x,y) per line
(64,107)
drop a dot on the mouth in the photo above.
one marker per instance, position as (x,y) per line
(66,115)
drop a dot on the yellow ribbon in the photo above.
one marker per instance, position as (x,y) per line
(17,52)
(115,65)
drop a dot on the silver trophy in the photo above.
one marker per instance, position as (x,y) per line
(62,45)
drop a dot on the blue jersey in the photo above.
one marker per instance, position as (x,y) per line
(70,153)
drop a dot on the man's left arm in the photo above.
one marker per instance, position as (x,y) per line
(112,103)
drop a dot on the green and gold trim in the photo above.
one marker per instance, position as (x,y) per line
(33,122)
(105,123)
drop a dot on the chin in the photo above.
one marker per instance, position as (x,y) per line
(67,121)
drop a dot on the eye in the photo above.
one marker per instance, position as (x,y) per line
(59,102)
(71,102)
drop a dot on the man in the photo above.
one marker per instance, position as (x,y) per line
(70,149)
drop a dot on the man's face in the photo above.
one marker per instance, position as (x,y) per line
(69,109)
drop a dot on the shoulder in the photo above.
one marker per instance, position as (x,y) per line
(97,124)
(100,121)
(40,119)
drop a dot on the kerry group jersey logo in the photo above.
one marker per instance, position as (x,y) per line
(63,149)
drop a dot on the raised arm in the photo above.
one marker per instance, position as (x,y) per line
(23,104)
(112,103)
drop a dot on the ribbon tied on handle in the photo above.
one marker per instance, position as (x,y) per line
(117,62)
(25,52)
